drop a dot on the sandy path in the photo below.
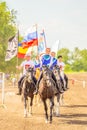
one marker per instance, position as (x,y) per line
(73,112)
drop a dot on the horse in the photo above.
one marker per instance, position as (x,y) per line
(46,91)
(59,96)
(27,92)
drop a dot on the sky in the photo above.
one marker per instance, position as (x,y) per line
(63,20)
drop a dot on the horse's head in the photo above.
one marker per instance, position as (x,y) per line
(29,74)
(46,72)
(45,67)
(47,75)
(56,71)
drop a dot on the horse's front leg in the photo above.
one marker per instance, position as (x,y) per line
(61,99)
(51,108)
(30,105)
(57,106)
(45,108)
(25,107)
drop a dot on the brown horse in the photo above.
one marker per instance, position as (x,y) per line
(59,96)
(27,92)
(46,91)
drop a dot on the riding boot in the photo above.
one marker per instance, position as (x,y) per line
(19,85)
(66,79)
(19,91)
(67,86)
(37,84)
(59,89)
(54,78)
(64,85)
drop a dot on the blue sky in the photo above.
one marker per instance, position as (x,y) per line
(64,20)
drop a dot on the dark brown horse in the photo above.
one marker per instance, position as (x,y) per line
(27,92)
(59,96)
(46,91)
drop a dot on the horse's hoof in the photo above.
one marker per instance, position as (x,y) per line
(50,122)
(54,114)
(46,121)
(25,115)
(30,114)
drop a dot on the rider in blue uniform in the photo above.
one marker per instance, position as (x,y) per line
(46,61)
(53,60)
(46,58)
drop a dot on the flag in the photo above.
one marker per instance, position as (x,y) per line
(21,51)
(12,48)
(41,43)
(29,43)
(55,46)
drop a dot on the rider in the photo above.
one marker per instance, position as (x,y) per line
(53,60)
(53,63)
(25,65)
(46,58)
(46,61)
(64,78)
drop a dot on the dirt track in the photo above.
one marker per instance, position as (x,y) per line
(73,112)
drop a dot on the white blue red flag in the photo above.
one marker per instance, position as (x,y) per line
(29,43)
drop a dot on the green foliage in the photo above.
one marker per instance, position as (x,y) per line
(75,61)
(68,68)
(7,30)
(64,52)
(84,59)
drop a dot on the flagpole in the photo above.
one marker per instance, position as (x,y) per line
(44,39)
(37,38)
(17,46)
(17,53)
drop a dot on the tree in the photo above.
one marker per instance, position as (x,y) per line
(7,18)
(77,64)
(7,30)
(65,53)
(84,59)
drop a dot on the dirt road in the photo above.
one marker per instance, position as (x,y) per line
(73,112)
